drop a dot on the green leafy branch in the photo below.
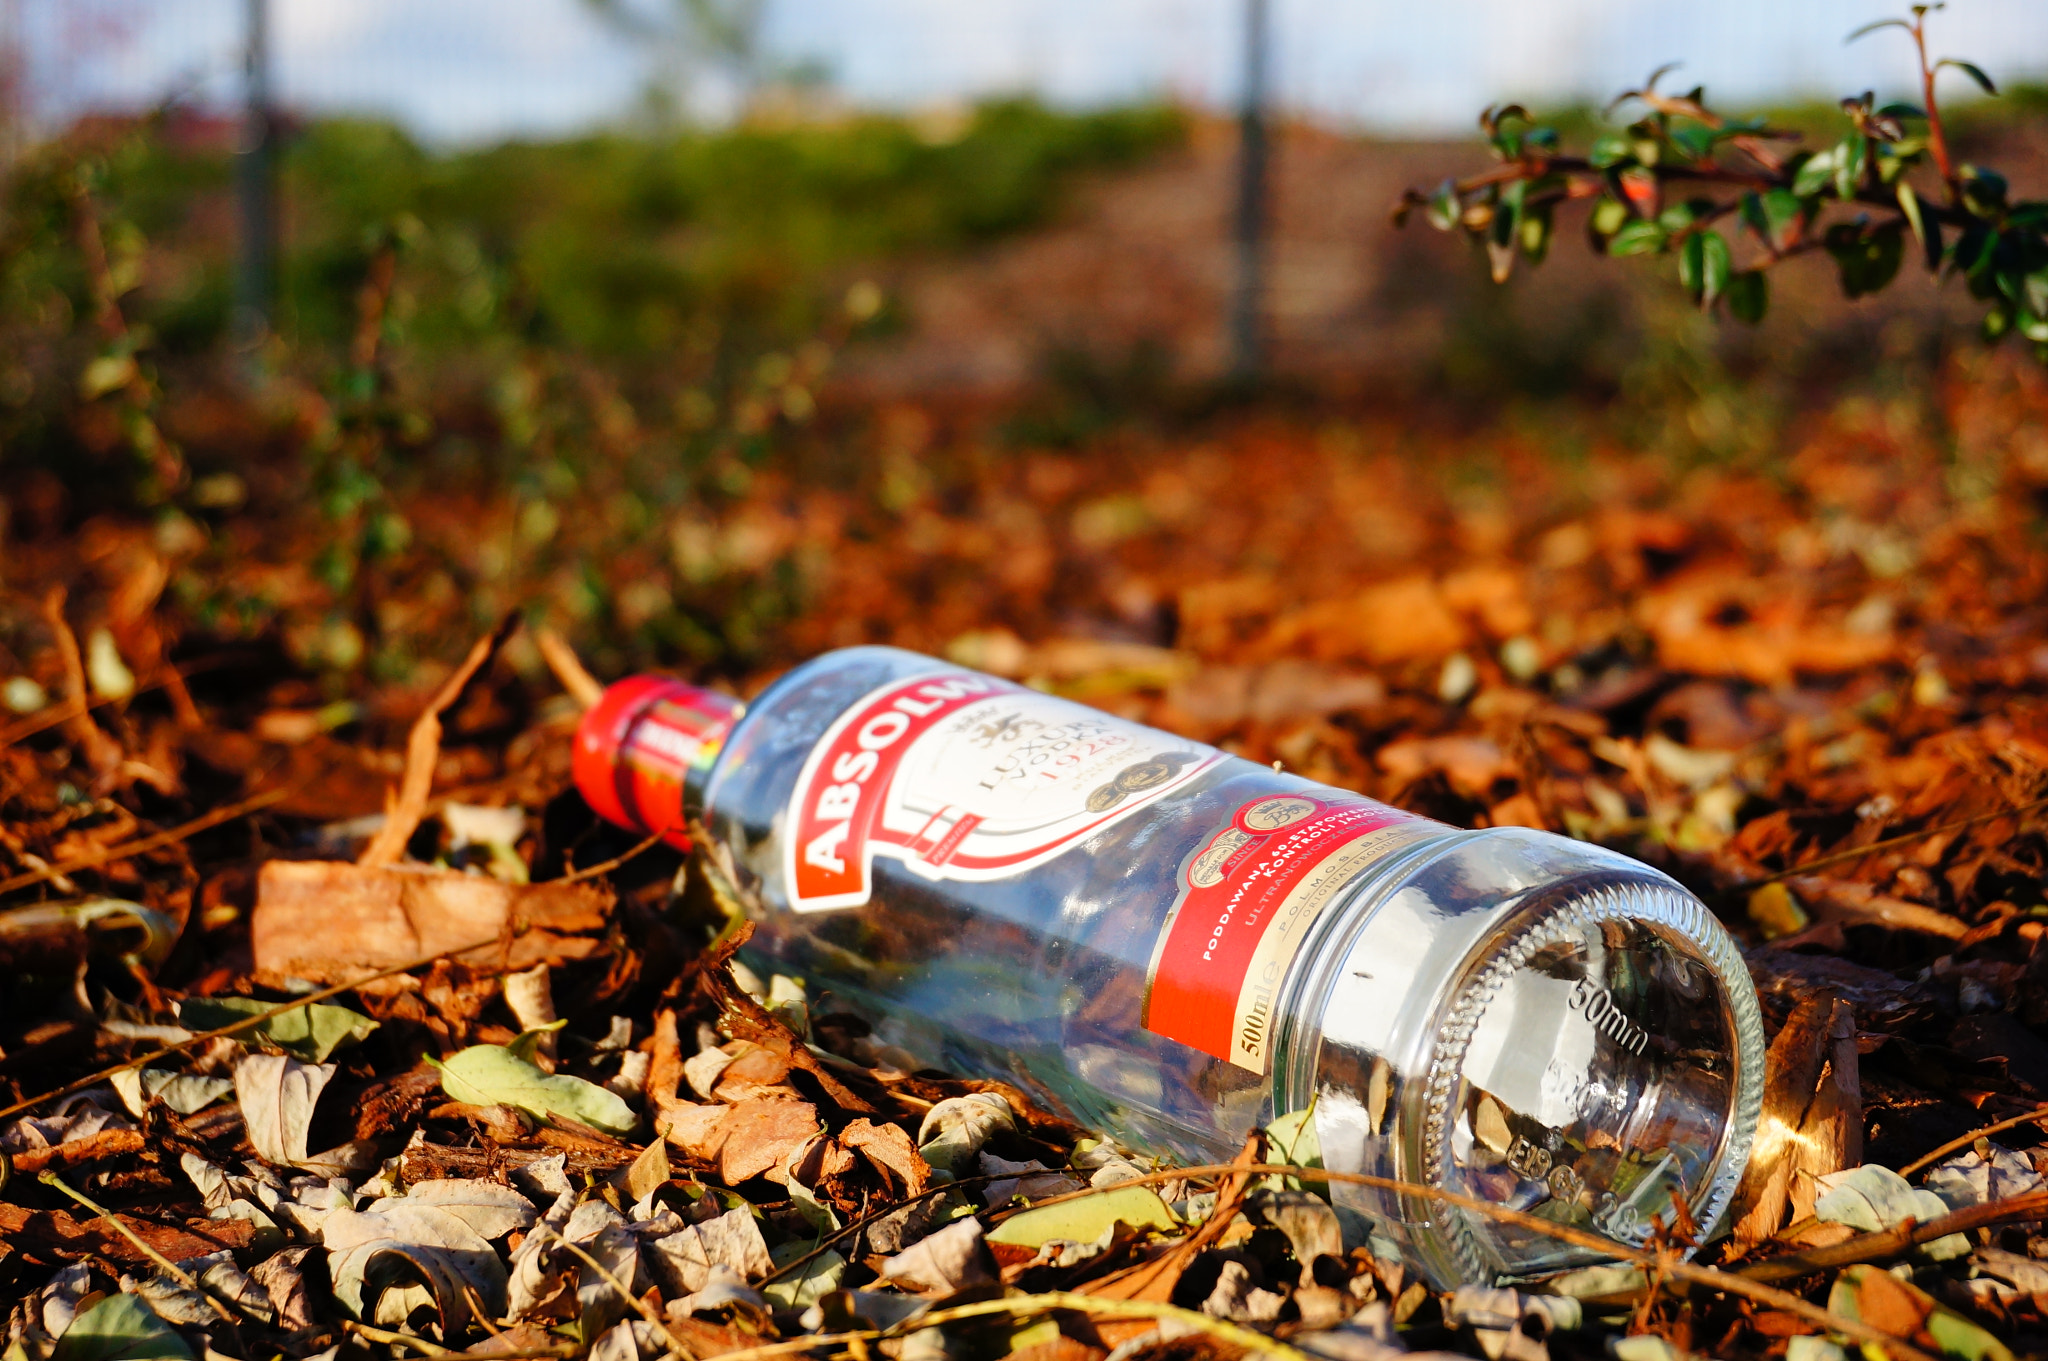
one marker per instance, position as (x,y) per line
(1686,182)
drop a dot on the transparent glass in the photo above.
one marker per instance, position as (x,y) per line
(1504,1013)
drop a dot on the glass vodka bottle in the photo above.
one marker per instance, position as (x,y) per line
(1175,945)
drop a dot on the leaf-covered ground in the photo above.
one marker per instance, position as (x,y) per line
(1813,689)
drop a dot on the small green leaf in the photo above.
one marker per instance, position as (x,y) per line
(1909,204)
(1749,295)
(491,1075)
(1292,1138)
(1874,27)
(1696,143)
(1814,174)
(1983,190)
(308,1033)
(1679,216)
(1085,1220)
(120,1328)
(1609,216)
(1637,238)
(1443,206)
(1502,230)
(1692,264)
(1785,217)
(1608,150)
(1852,158)
(1970,69)
(1866,261)
(526,1043)
(1716,265)
(1534,233)
(1975,250)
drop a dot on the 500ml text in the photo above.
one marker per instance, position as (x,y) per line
(1598,1005)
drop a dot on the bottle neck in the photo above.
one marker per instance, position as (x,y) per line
(644,744)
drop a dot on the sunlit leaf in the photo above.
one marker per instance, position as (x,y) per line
(309,1033)
(492,1074)
(1852,159)
(1609,216)
(1814,173)
(1909,204)
(1716,265)
(1784,217)
(1637,238)
(1608,150)
(1084,1221)
(1534,234)
(120,1328)
(803,1288)
(1443,206)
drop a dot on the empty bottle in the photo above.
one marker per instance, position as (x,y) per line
(1174,945)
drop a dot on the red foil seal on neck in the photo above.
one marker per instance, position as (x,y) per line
(639,742)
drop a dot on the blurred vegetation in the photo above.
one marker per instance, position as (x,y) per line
(575,342)
(582,378)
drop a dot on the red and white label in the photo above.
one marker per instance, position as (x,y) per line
(1248,896)
(962,776)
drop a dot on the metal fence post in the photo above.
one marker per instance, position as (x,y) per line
(256,194)
(1250,226)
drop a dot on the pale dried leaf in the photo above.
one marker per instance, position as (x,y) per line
(277,1096)
(732,1240)
(940,1263)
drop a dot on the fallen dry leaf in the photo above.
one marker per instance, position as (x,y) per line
(326,921)
(891,1152)
(757,1136)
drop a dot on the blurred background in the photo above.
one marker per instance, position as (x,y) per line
(649,314)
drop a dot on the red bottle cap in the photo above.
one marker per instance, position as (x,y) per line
(640,741)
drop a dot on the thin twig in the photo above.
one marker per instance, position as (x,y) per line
(1236,1333)
(1937,135)
(176,1272)
(406,806)
(441,1353)
(1903,838)
(607,866)
(245,1023)
(2037,1115)
(1889,1242)
(575,678)
(389,1338)
(154,841)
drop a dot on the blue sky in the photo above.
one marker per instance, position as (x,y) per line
(478,70)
